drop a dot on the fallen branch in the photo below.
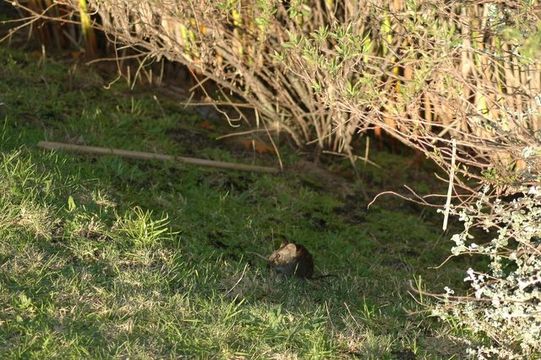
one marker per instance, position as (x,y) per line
(153,156)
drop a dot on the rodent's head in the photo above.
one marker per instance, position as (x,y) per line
(284,254)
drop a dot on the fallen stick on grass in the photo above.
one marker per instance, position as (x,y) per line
(153,156)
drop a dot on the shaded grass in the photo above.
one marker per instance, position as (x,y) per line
(106,257)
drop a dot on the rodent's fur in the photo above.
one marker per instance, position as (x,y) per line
(292,260)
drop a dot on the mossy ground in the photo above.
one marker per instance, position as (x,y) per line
(104,257)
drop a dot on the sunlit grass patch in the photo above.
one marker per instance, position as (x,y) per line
(88,277)
(82,278)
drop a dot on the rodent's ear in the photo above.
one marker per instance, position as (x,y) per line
(284,243)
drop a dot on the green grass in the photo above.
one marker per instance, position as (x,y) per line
(107,257)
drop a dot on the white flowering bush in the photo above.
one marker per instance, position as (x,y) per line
(504,301)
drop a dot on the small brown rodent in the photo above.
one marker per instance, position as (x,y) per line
(292,260)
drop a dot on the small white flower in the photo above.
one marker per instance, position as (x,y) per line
(448,290)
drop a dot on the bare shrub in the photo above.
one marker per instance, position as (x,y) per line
(431,71)
(323,71)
